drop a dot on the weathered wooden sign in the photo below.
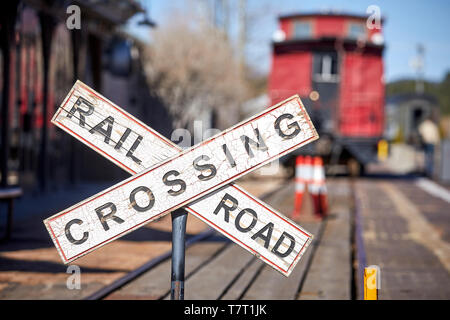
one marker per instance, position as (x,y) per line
(169,178)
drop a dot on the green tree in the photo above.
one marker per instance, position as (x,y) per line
(441,90)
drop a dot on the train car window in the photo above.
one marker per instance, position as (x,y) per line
(325,67)
(356,31)
(302,30)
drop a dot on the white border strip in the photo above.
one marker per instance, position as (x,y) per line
(434,189)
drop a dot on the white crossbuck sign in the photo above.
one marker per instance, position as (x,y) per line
(165,177)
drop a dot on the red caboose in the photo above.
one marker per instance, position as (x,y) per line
(334,62)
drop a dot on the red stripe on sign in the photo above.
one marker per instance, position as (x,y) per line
(57,242)
(296,257)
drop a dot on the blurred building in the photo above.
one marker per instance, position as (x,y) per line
(41,60)
(405,112)
(255,105)
(334,62)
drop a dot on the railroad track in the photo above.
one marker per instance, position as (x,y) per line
(119,283)
(222,270)
(131,276)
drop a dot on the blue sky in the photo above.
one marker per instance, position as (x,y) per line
(407,23)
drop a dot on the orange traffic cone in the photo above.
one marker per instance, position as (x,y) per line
(300,185)
(303,175)
(308,167)
(318,188)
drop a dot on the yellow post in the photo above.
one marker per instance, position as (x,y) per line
(383,150)
(371,282)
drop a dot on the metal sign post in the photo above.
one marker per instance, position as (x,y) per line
(179,218)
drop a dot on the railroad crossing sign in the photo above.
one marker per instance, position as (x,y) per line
(166,178)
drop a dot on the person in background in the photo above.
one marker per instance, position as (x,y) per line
(429,133)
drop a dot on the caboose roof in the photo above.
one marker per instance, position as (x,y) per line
(344,15)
